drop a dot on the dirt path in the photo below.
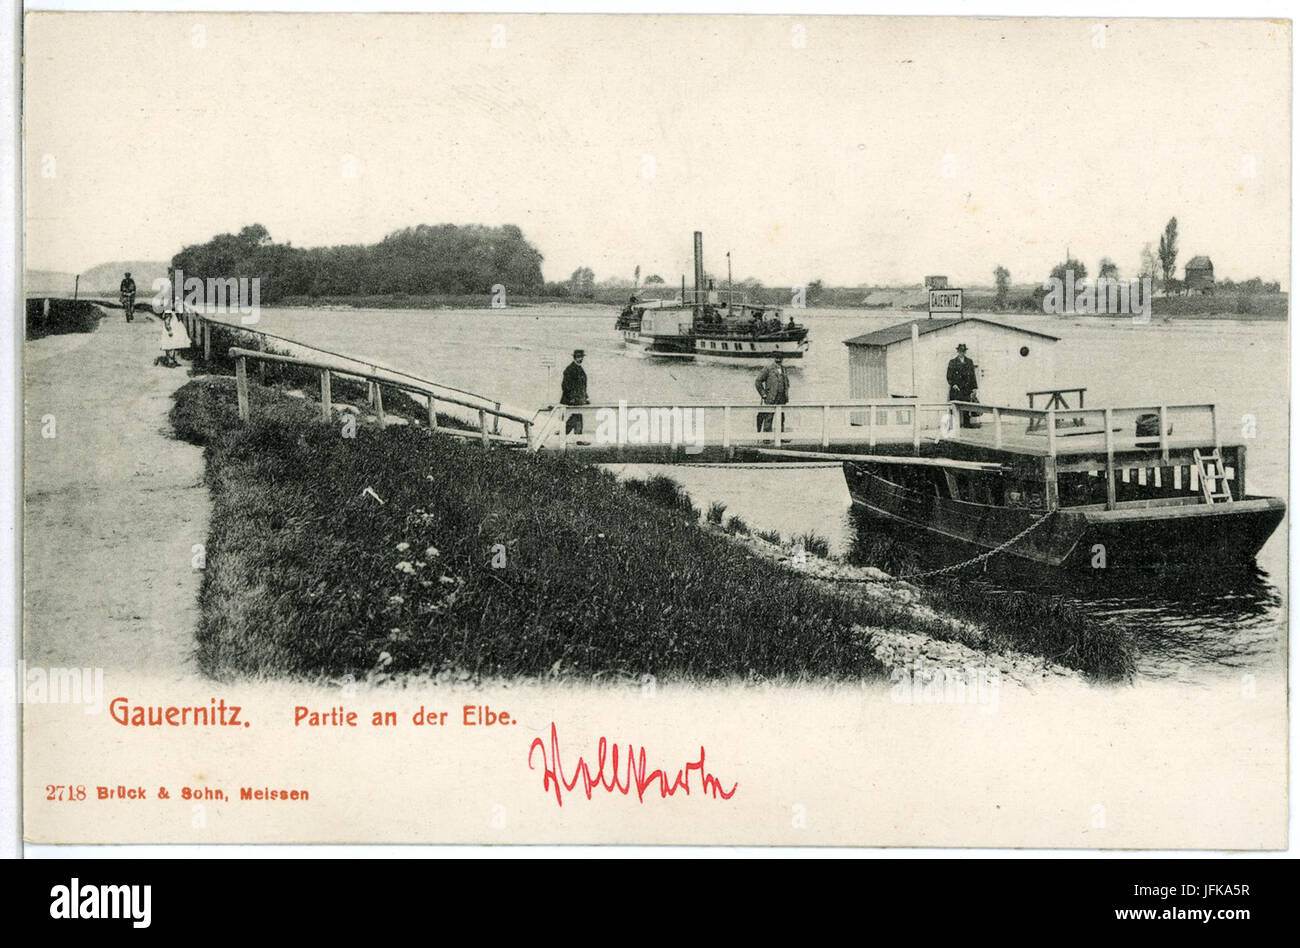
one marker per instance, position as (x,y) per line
(114,505)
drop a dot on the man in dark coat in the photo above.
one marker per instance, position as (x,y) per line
(573,390)
(126,294)
(962,383)
(773,385)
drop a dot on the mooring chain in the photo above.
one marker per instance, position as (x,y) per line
(956,566)
(984,556)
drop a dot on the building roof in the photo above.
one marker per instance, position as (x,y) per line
(902,332)
(1200,263)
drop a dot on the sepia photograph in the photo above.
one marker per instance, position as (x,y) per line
(640,429)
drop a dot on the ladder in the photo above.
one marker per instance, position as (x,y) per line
(1214,479)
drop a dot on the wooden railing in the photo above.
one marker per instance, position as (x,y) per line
(201,327)
(738,425)
(376,384)
(1041,432)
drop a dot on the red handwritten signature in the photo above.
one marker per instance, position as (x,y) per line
(635,775)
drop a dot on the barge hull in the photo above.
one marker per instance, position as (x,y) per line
(1133,537)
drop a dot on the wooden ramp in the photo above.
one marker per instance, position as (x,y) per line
(696,433)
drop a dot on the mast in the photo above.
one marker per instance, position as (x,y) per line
(699,272)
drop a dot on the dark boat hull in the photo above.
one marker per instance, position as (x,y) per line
(1135,536)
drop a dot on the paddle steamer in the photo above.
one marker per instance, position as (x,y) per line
(709,325)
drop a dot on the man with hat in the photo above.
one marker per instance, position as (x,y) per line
(126,294)
(962,383)
(773,385)
(573,390)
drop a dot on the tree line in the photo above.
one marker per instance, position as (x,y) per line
(426,259)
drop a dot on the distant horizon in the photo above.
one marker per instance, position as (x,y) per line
(669,283)
(854,150)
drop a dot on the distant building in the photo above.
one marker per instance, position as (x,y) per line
(1009,361)
(936,283)
(1199,275)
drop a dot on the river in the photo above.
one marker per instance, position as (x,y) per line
(1189,627)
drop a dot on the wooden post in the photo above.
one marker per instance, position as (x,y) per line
(379,405)
(1051,490)
(207,339)
(916,342)
(241,386)
(778,422)
(496,421)
(1051,432)
(326,412)
(1110,460)
(826,426)
(482,426)
(916,424)
(370,392)
(997,428)
(1164,433)
(433,414)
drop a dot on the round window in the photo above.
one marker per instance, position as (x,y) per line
(1024,350)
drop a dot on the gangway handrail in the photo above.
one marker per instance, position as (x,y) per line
(205,318)
(327,370)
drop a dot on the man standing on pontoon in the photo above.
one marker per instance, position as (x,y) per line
(773,385)
(962,383)
(573,390)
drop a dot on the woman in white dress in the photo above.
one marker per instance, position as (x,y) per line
(173,336)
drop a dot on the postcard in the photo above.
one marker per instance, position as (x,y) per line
(644,429)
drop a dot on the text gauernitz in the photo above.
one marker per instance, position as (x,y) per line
(102,901)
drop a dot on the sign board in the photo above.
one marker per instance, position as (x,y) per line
(945,301)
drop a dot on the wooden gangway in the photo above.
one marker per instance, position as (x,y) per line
(1140,441)
(684,432)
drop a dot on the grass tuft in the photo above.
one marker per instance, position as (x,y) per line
(814,544)
(666,493)
(737,526)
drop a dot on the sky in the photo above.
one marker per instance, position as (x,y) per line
(851,150)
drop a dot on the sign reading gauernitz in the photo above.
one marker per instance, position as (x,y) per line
(945,301)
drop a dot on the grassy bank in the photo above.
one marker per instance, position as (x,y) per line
(499,563)
(64,316)
(308,575)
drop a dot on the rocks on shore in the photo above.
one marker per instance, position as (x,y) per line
(913,652)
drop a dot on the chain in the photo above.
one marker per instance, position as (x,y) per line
(956,566)
(984,556)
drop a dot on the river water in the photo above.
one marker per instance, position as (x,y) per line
(1189,627)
